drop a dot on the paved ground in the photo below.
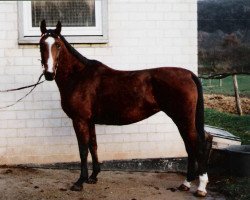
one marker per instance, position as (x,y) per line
(31,184)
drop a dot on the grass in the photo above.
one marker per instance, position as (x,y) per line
(237,125)
(233,187)
(227,86)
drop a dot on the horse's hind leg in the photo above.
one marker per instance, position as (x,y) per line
(202,165)
(188,133)
(93,150)
(198,149)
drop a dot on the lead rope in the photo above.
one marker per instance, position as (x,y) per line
(21,88)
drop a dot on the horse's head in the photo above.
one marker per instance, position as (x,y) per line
(50,47)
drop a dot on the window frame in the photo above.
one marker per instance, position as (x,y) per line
(99,34)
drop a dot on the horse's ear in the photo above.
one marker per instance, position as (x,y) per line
(43,27)
(58,28)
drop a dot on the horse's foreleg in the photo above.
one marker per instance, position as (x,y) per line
(93,150)
(82,133)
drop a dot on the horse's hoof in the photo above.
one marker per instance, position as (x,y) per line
(199,193)
(91,180)
(76,187)
(183,187)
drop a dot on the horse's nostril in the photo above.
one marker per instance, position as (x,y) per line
(49,76)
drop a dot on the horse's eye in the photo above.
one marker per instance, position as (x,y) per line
(58,46)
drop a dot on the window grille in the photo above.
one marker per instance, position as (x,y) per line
(74,13)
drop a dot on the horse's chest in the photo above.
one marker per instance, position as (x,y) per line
(77,105)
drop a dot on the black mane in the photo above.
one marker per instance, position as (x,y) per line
(74,51)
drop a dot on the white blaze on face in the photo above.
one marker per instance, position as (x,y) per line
(50,41)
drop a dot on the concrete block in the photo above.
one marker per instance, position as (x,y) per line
(147,128)
(33,105)
(1,53)
(139,137)
(58,113)
(24,114)
(8,132)
(130,147)
(163,7)
(12,35)
(156,137)
(100,129)
(52,122)
(121,138)
(66,122)
(16,123)
(163,128)
(3,142)
(130,129)
(43,114)
(51,105)
(34,123)
(54,140)
(7,115)
(13,142)
(108,138)
(24,79)
(113,129)
(62,131)
(23,61)
(7,8)
(180,7)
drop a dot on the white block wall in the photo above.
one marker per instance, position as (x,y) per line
(142,34)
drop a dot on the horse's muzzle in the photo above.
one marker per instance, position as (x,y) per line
(49,76)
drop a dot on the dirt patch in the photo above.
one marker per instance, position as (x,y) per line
(224,103)
(37,184)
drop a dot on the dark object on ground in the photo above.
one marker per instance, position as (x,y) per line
(239,160)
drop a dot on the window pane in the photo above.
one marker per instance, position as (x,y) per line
(75,13)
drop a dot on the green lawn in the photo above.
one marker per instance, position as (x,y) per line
(232,187)
(227,86)
(237,125)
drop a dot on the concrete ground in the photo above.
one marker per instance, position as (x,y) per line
(39,184)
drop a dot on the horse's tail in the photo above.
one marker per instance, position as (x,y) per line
(205,139)
(199,118)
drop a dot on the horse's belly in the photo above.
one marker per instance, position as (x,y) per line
(125,116)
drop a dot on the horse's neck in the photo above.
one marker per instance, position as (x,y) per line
(68,67)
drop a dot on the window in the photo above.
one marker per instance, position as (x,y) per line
(84,21)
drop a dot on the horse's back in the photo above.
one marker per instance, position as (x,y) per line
(125,97)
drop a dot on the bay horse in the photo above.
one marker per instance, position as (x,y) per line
(92,93)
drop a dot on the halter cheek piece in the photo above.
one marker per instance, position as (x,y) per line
(57,55)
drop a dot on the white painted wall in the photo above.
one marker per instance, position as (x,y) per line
(142,34)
